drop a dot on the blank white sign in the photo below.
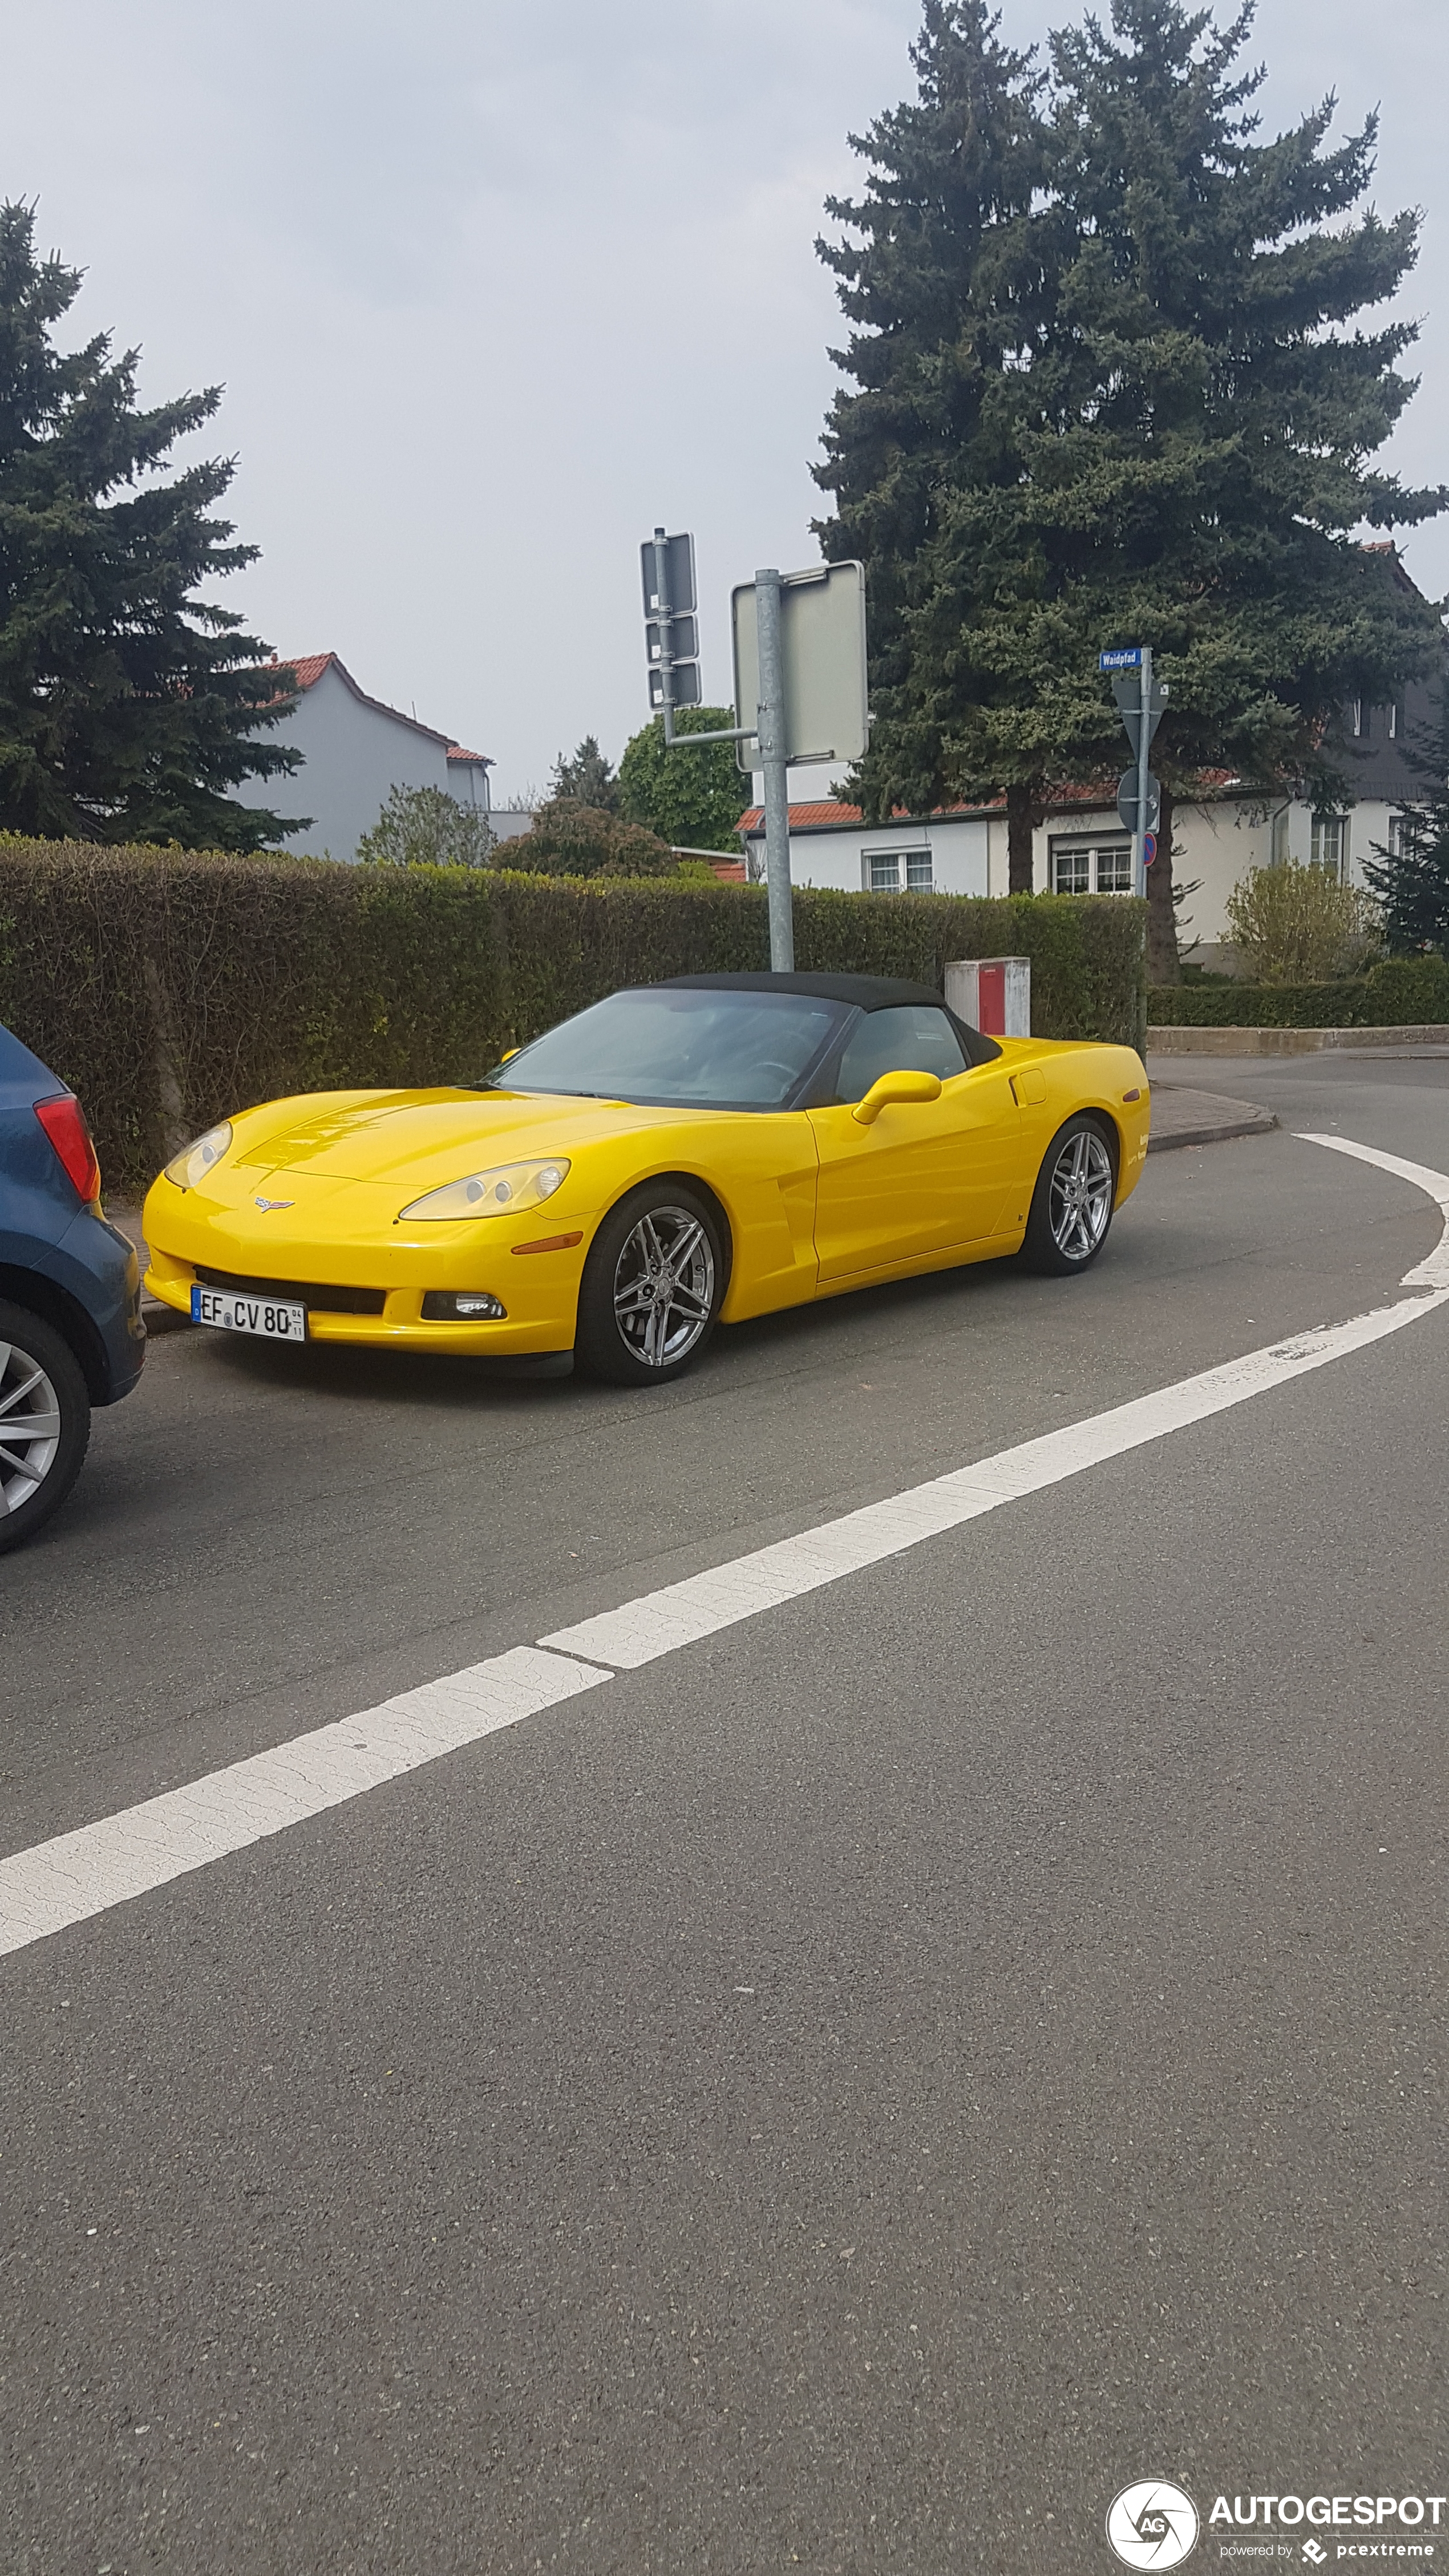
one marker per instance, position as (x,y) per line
(822,634)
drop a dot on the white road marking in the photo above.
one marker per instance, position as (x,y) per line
(657,1623)
(1434,1272)
(81,1874)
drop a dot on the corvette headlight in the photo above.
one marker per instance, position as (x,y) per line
(505,1191)
(189,1168)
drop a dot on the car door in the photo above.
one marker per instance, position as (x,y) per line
(925,1175)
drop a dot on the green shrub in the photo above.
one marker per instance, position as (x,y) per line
(1396,993)
(567,839)
(423,827)
(170,987)
(1301,925)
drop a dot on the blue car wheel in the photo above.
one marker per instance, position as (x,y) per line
(45,1422)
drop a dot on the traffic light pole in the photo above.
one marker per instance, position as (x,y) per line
(769,731)
(1144,772)
(771,739)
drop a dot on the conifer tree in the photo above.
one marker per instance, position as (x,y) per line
(1411,880)
(128,706)
(942,276)
(1192,428)
(587,779)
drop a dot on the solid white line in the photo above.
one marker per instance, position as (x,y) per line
(1434,1272)
(657,1623)
(81,1874)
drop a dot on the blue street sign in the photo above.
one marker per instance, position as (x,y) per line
(1126,657)
(1149,847)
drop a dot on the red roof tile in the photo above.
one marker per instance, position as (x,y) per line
(825,815)
(309,668)
(479,759)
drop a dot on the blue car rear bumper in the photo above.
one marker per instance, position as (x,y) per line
(93,1276)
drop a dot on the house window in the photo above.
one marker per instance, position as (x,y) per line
(1397,842)
(1329,847)
(1278,843)
(1092,867)
(887,870)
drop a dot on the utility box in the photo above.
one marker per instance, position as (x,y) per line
(992,994)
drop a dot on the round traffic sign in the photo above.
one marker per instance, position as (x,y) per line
(1149,848)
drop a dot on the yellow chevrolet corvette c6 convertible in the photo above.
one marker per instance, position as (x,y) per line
(681,1155)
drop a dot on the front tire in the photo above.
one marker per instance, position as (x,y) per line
(45,1422)
(1071,1207)
(652,1286)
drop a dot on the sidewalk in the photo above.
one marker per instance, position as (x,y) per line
(1181,1116)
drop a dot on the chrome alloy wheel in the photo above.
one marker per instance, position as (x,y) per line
(1081,1195)
(29,1426)
(664,1286)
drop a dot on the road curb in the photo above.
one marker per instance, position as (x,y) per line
(1174,1040)
(1184,1117)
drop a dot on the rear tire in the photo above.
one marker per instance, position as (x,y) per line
(652,1286)
(45,1422)
(1071,1206)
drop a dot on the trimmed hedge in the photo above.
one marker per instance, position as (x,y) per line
(169,986)
(1394,994)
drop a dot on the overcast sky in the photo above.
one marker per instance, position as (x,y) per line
(494,284)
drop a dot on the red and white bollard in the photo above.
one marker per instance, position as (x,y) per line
(992,994)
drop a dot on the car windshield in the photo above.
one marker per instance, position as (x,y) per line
(688,1047)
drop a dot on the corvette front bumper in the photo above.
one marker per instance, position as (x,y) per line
(538,1288)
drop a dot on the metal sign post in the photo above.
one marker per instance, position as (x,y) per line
(800,683)
(771,738)
(1144,775)
(1139,799)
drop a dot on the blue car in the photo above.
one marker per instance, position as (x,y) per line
(71,1334)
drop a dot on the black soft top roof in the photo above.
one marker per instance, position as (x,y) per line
(867,992)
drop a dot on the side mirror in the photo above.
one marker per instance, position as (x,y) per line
(903,1089)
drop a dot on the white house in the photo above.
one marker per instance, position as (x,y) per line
(1081,847)
(830,845)
(355,751)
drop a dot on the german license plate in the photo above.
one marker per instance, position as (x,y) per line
(274,1320)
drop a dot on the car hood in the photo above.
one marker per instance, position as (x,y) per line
(422,1139)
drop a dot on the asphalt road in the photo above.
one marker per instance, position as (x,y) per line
(851,2095)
